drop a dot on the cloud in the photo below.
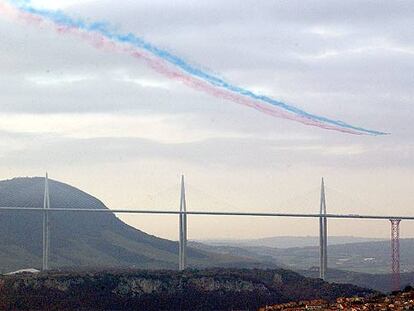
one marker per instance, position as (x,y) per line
(50,80)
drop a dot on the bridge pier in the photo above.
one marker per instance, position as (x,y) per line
(395,254)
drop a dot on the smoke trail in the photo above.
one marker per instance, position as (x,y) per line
(174,67)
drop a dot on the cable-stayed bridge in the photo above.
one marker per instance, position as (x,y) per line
(182,213)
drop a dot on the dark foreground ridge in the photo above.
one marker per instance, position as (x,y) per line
(212,289)
(401,300)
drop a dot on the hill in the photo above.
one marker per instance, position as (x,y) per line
(214,289)
(81,240)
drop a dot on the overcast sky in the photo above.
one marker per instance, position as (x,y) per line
(108,124)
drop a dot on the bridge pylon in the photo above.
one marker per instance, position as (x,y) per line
(46,229)
(182,249)
(323,235)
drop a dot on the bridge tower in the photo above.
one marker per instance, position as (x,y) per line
(395,254)
(182,251)
(46,241)
(323,235)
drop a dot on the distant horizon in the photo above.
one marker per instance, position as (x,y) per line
(292,236)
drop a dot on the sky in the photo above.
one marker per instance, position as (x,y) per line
(108,124)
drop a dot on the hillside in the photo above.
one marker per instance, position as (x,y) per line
(81,240)
(214,289)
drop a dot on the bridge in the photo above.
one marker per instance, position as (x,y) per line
(182,213)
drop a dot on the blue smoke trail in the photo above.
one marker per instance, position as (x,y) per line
(104,30)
